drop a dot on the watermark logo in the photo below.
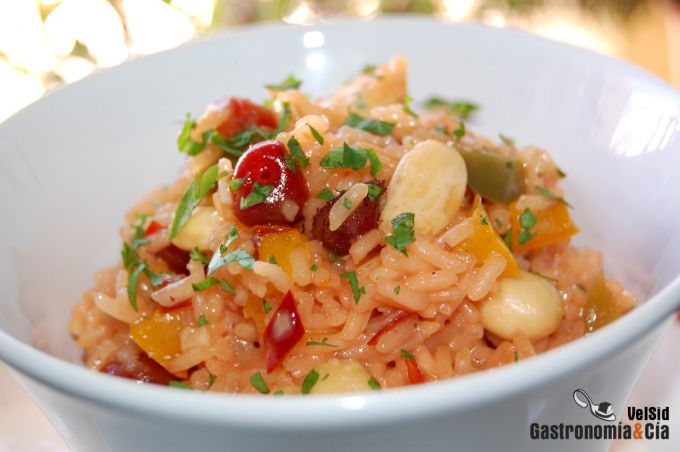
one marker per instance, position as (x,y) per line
(651,423)
(602,410)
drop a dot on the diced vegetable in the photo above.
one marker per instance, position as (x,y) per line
(158,335)
(197,230)
(485,241)
(279,245)
(415,373)
(601,307)
(552,225)
(339,376)
(490,176)
(254,309)
(153,227)
(243,115)
(282,333)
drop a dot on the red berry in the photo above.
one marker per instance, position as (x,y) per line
(282,190)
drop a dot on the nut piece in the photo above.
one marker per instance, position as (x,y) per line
(528,304)
(196,232)
(343,376)
(429,181)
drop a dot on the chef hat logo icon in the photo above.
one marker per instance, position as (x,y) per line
(602,410)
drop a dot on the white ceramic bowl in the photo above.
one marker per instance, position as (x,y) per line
(74,161)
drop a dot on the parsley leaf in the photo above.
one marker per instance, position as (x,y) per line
(373,384)
(257,195)
(373,126)
(202,321)
(374,191)
(314,267)
(258,383)
(290,82)
(516,356)
(235,184)
(561,173)
(483,219)
(507,140)
(406,354)
(550,195)
(298,155)
(272,260)
(133,280)
(347,203)
(407,106)
(507,238)
(463,109)
(317,135)
(266,306)
(402,225)
(354,285)
(240,256)
(205,284)
(185,143)
(527,220)
(396,290)
(326,195)
(354,158)
(278,393)
(226,287)
(179,385)
(309,382)
(284,119)
(460,131)
(368,69)
(197,255)
(323,342)
(193,195)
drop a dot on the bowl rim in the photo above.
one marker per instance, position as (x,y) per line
(361,410)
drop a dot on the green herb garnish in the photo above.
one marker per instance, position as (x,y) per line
(354,158)
(507,140)
(314,267)
(202,321)
(463,109)
(226,287)
(396,290)
(561,173)
(460,131)
(197,255)
(368,69)
(483,219)
(205,284)
(516,355)
(290,82)
(402,225)
(373,384)
(309,381)
(284,119)
(354,285)
(185,143)
(266,306)
(272,260)
(193,195)
(298,155)
(407,355)
(258,383)
(527,220)
(257,195)
(323,342)
(133,280)
(550,195)
(407,106)
(211,380)
(326,195)
(278,393)
(317,135)
(374,191)
(179,385)
(373,126)
(235,184)
(347,203)
(507,238)
(581,287)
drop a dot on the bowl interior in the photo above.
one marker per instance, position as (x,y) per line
(72,163)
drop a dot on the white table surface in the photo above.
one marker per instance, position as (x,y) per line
(24,427)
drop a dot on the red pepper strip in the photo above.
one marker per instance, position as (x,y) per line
(403,315)
(415,373)
(243,114)
(283,331)
(153,227)
(184,304)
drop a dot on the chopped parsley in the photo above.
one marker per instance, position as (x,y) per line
(373,384)
(134,267)
(133,280)
(516,355)
(561,173)
(333,258)
(272,260)
(402,225)
(407,106)
(498,223)
(463,109)
(460,131)
(217,259)
(354,158)
(257,195)
(242,257)
(527,220)
(347,203)
(483,219)
(581,287)
(235,145)
(396,290)
(373,126)
(354,285)
(266,306)
(290,82)
(179,385)
(185,143)
(284,119)
(374,191)
(317,135)
(193,195)
(509,164)
(205,284)
(226,287)
(323,342)
(550,195)
(258,383)
(195,254)
(406,354)
(368,69)
(309,381)
(235,184)
(278,393)
(202,321)
(211,380)
(298,155)
(507,238)
(507,140)
(314,267)
(326,195)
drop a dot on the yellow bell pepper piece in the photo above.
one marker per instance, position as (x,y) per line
(279,245)
(553,225)
(484,240)
(601,307)
(254,309)
(158,336)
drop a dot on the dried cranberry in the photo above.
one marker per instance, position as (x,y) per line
(144,369)
(243,115)
(281,187)
(175,258)
(364,218)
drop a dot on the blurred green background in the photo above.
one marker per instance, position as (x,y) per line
(44,43)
